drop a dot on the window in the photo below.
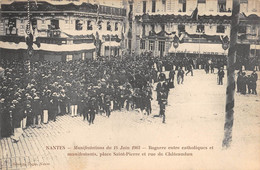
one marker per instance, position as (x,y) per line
(244,5)
(202,1)
(181,28)
(12,23)
(153,6)
(108,26)
(89,25)
(220,29)
(152,27)
(222,5)
(100,25)
(34,24)
(151,45)
(200,28)
(69,57)
(11,30)
(161,46)
(78,25)
(130,45)
(55,24)
(164,5)
(143,29)
(142,44)
(182,4)
(253,29)
(116,26)
(144,6)
(242,29)
(163,27)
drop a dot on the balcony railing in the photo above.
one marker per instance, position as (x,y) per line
(112,10)
(15,39)
(52,40)
(47,40)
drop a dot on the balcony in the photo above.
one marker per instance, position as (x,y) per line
(15,39)
(112,10)
(52,40)
(47,40)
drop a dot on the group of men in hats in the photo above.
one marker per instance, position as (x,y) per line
(247,83)
(35,93)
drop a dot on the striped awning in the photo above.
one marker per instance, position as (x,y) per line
(199,48)
(112,44)
(49,47)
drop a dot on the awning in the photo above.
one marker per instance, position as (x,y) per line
(60,2)
(78,33)
(49,47)
(196,48)
(112,43)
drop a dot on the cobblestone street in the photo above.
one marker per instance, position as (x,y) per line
(187,120)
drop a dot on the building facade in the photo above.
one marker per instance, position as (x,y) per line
(66,30)
(248,51)
(62,30)
(193,28)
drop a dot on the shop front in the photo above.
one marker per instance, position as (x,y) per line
(52,52)
(200,53)
(199,49)
(111,48)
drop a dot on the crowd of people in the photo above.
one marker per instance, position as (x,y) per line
(36,92)
(247,83)
(33,93)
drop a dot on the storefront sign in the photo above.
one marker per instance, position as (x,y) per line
(195,48)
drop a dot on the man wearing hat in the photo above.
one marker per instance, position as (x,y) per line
(46,98)
(74,103)
(162,102)
(92,111)
(220,76)
(36,111)
(62,101)
(107,104)
(243,83)
(54,106)
(180,76)
(254,81)
(161,86)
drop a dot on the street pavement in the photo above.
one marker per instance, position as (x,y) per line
(195,116)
